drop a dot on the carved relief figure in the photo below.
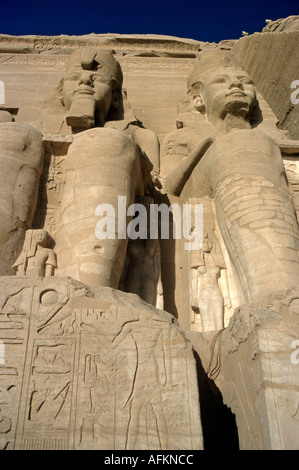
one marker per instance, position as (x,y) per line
(133,361)
(209,303)
(118,158)
(207,299)
(242,169)
(36,259)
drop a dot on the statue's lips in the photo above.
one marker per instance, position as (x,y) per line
(236,92)
(84,91)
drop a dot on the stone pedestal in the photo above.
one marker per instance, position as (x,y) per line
(92,369)
(256,367)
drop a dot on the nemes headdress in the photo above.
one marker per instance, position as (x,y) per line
(209,61)
(92,59)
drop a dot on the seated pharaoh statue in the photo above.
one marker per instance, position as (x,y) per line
(241,169)
(110,162)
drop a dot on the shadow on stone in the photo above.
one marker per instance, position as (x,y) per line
(218,422)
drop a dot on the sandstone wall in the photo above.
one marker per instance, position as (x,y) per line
(272,61)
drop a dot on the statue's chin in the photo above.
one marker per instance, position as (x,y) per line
(81,113)
(237,107)
(82,121)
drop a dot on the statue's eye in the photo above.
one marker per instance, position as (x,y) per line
(73,76)
(219,79)
(246,80)
(98,78)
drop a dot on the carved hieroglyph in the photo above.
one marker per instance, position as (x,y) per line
(93,369)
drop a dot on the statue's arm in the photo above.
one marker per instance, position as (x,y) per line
(19,269)
(194,289)
(26,193)
(148,141)
(225,289)
(51,264)
(176,180)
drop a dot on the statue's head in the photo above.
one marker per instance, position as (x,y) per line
(41,237)
(91,87)
(219,86)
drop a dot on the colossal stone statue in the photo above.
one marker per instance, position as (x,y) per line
(21,160)
(114,161)
(242,169)
(113,340)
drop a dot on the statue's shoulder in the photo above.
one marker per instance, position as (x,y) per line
(179,141)
(182,141)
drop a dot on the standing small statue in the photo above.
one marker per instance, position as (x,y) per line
(37,259)
(207,299)
(209,303)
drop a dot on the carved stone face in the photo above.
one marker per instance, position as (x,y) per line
(89,84)
(228,90)
(41,237)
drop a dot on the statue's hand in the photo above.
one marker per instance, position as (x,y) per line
(194,304)
(156,180)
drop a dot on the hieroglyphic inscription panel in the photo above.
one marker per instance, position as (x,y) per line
(14,323)
(98,371)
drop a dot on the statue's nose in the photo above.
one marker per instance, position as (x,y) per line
(235,83)
(85,79)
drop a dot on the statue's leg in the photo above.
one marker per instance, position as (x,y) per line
(102,166)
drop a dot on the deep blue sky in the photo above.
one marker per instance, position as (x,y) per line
(203,20)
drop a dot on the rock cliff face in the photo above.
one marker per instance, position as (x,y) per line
(149,242)
(271,59)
